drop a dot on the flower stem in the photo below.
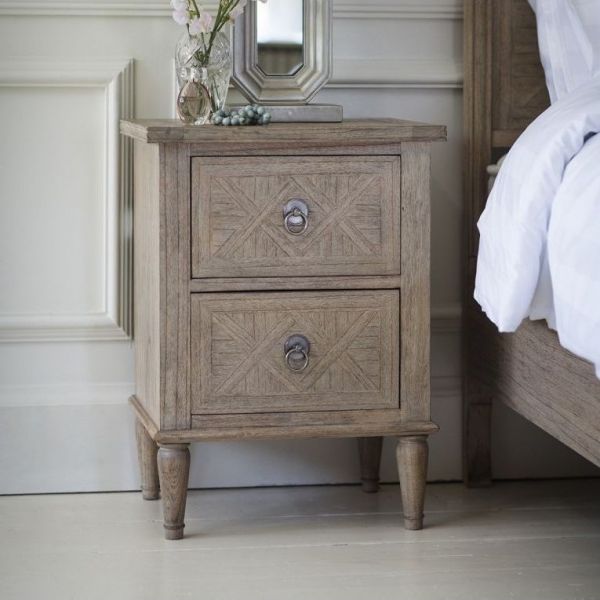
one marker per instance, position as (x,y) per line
(203,55)
(196,8)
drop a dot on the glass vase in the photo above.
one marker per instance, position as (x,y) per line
(203,64)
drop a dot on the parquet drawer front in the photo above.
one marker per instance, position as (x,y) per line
(238,351)
(348,222)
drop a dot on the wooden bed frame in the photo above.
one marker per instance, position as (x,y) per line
(529,371)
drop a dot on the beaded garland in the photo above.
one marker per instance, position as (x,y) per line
(253,114)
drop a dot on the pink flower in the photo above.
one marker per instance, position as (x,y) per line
(236,12)
(181,17)
(202,25)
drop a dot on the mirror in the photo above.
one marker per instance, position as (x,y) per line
(280,37)
(282,56)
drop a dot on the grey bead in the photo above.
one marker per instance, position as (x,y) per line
(235,121)
(250,114)
(217,119)
(260,110)
(226,121)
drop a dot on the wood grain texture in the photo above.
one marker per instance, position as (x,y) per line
(301,418)
(477,433)
(248,284)
(520,93)
(412,454)
(414,301)
(292,425)
(504,91)
(161,270)
(147,457)
(175,411)
(238,218)
(530,372)
(477,110)
(238,357)
(143,416)
(174,469)
(351,132)
(363,428)
(369,454)
(146,278)
(284,148)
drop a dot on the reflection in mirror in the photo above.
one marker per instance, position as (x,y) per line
(280,36)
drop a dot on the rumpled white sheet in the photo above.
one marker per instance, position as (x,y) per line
(574,254)
(535,223)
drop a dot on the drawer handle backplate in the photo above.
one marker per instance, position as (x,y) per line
(295,216)
(297,349)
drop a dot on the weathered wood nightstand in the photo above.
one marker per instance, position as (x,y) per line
(281,287)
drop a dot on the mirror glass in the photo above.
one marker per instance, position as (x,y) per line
(280,36)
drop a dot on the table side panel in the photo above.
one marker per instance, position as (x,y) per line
(146,278)
(415,291)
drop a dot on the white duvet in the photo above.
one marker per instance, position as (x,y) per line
(539,253)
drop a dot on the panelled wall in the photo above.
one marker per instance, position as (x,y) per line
(68,71)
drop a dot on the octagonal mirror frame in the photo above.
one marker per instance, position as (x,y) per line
(299,87)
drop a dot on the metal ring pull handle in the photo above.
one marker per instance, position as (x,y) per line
(295,216)
(297,349)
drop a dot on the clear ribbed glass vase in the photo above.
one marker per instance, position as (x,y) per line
(203,59)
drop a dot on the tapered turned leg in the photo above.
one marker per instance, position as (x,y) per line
(174,470)
(411,454)
(147,451)
(369,452)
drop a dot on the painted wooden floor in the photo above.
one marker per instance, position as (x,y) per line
(526,541)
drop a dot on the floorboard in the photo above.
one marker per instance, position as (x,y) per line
(524,540)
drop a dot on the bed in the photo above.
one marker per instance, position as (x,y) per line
(527,370)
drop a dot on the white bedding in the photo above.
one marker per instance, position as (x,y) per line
(574,254)
(543,216)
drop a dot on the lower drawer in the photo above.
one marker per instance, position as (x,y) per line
(294,351)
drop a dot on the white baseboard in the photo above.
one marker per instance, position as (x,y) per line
(72,394)
(66,446)
(69,447)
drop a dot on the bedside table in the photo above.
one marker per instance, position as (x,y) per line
(281,290)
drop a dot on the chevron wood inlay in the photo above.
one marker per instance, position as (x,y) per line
(521,93)
(238,346)
(238,221)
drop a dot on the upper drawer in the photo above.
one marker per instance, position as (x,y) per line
(347,222)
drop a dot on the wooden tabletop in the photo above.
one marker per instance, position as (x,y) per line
(350,131)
